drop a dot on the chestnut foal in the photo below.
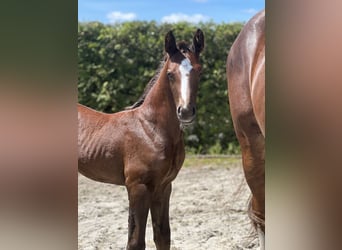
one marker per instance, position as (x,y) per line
(142,147)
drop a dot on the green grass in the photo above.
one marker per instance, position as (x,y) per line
(211,160)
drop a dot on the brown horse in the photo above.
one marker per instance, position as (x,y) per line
(142,147)
(246,88)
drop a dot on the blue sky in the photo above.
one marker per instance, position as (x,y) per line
(111,11)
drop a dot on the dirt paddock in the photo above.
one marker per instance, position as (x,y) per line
(207,210)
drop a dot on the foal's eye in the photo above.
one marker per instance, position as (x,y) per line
(170,75)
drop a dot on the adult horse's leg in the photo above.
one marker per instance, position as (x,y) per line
(139,203)
(160,218)
(253,159)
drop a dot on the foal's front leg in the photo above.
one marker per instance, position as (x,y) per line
(139,203)
(160,218)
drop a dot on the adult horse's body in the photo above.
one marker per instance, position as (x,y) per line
(246,88)
(142,147)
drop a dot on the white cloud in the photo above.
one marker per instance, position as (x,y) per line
(250,11)
(179,17)
(117,16)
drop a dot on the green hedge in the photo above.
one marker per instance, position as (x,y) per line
(117,61)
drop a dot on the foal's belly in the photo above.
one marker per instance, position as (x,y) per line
(107,171)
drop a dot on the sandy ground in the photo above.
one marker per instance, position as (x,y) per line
(207,211)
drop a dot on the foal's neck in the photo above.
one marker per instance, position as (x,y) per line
(159,105)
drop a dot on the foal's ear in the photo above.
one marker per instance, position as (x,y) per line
(170,43)
(198,41)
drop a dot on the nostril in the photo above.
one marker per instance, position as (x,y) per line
(179,110)
(193,111)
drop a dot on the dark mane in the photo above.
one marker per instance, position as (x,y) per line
(148,87)
(184,48)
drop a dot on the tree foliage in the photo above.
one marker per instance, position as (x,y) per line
(117,61)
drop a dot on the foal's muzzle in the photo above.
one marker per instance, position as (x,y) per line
(186,115)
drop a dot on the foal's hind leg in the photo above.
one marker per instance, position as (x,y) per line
(139,203)
(160,218)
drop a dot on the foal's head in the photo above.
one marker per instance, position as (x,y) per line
(183,72)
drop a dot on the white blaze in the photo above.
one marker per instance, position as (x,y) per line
(185,68)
